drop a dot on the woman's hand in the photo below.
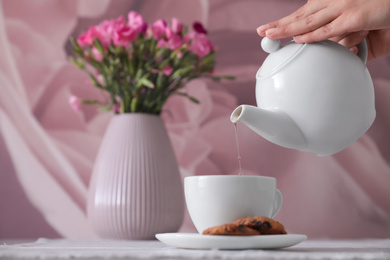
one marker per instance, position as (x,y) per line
(345,21)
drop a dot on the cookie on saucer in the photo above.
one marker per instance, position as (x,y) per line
(264,225)
(231,230)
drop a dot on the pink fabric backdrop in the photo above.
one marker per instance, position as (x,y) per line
(47,150)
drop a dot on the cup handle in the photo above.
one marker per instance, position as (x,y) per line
(277,203)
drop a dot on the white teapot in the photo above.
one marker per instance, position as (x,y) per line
(313,97)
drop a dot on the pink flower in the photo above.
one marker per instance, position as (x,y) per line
(107,30)
(136,22)
(167,70)
(87,38)
(168,33)
(199,43)
(198,27)
(158,29)
(123,35)
(96,54)
(177,26)
(104,32)
(161,43)
(173,41)
(114,31)
(75,103)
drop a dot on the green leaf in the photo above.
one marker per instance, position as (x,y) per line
(105,108)
(194,100)
(98,44)
(111,49)
(145,82)
(76,47)
(209,58)
(181,72)
(139,73)
(160,52)
(91,102)
(133,105)
(229,77)
(74,43)
(131,66)
(94,81)
(215,78)
(119,49)
(164,63)
(78,62)
(189,97)
(185,30)
(160,80)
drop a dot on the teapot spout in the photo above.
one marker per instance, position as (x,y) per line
(274,125)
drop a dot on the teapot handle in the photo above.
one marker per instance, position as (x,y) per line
(363,51)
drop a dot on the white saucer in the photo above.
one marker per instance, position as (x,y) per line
(197,241)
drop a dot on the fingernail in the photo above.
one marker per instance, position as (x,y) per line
(262,28)
(296,38)
(270,31)
(354,49)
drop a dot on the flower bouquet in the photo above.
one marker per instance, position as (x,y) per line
(141,66)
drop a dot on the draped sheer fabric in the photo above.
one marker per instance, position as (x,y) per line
(47,150)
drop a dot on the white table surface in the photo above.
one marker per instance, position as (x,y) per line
(111,249)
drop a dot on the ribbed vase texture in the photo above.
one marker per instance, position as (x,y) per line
(135,189)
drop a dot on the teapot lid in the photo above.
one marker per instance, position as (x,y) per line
(278,55)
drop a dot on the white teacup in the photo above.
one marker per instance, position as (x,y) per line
(221,199)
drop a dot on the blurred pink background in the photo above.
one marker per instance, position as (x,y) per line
(47,150)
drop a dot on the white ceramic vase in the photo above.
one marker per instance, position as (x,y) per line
(135,189)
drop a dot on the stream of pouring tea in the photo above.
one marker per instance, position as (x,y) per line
(238,149)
